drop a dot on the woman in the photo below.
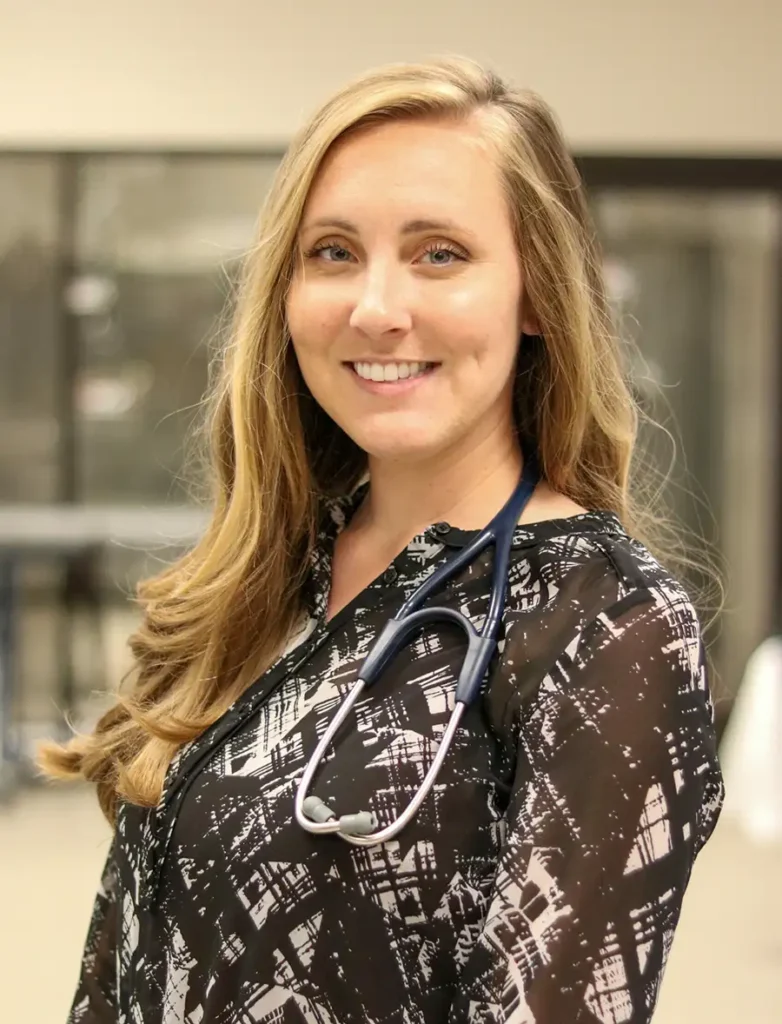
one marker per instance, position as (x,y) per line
(422,320)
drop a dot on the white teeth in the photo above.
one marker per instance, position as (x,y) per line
(390,371)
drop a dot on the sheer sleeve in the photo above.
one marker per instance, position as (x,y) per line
(95,1001)
(617,789)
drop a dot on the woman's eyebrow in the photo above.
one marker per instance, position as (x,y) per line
(410,227)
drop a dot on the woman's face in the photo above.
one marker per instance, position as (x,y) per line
(407,304)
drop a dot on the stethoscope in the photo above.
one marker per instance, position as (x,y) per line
(361,829)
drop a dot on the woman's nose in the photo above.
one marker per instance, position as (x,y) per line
(380,306)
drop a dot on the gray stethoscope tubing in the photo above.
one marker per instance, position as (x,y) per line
(360,829)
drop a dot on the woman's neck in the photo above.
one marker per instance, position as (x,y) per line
(465,489)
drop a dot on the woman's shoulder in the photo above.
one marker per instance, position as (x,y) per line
(579,566)
(548,504)
(590,608)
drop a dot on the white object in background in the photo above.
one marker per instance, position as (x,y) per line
(751,749)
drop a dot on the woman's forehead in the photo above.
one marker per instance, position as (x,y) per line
(409,171)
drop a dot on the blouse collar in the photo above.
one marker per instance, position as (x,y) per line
(436,539)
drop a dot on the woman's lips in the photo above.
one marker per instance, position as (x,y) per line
(389,388)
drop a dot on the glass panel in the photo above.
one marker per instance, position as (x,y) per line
(157,241)
(695,279)
(29,282)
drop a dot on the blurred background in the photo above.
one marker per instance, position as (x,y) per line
(137,142)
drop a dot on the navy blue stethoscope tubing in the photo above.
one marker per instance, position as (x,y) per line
(410,617)
(499,532)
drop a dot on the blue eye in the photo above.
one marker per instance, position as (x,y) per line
(342,255)
(433,250)
(312,253)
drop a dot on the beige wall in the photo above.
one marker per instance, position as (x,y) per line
(670,75)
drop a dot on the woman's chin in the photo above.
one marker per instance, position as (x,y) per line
(398,448)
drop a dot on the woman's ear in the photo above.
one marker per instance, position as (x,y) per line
(529,321)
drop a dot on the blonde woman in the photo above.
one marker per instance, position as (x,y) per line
(422,324)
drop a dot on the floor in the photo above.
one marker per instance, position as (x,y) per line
(725,966)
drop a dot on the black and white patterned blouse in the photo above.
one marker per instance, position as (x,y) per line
(541,881)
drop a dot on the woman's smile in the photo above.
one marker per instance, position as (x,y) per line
(391,378)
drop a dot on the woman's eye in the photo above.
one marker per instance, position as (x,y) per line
(441,255)
(440,251)
(319,250)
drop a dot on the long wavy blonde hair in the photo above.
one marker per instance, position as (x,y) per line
(215,619)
